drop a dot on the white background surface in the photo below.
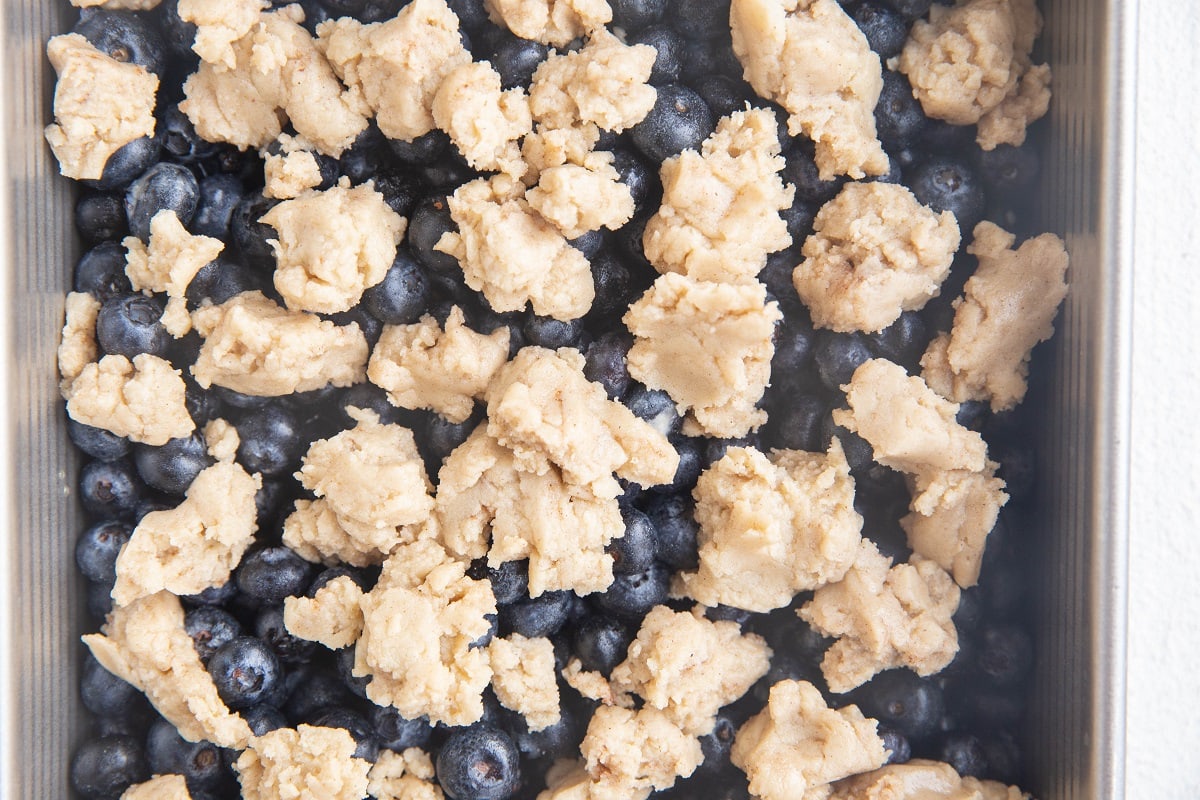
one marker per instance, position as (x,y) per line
(1163,740)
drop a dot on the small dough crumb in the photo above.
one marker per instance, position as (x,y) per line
(77,348)
(688,667)
(305,762)
(145,644)
(797,745)
(220,23)
(424,366)
(332,616)
(289,175)
(332,246)
(512,255)
(195,545)
(811,58)
(100,105)
(403,776)
(884,618)
(418,626)
(953,513)
(629,754)
(552,22)
(397,65)
(720,210)
(770,528)
(578,199)
(172,259)
(316,532)
(484,122)
(542,408)
(523,678)
(160,787)
(875,253)
(144,400)
(594,686)
(1008,122)
(1008,306)
(708,345)
(920,779)
(253,346)
(221,440)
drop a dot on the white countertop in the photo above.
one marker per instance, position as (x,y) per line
(1163,731)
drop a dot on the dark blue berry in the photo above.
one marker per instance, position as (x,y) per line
(787,667)
(613,282)
(430,220)
(896,743)
(600,642)
(97,442)
(551,333)
(900,699)
(606,363)
(214,595)
(680,120)
(654,406)
(97,549)
(249,234)
(724,613)
(1009,169)
(397,733)
(543,615)
(289,649)
(314,692)
(263,719)
(270,441)
(800,170)
(106,695)
(1005,654)
(838,355)
(423,150)
(716,744)
(219,196)
(632,15)
(669,46)
(885,30)
(510,581)
(123,36)
(105,767)
(472,14)
(128,162)
(949,184)
(631,596)
(903,341)
(210,628)
(676,529)
(777,277)
(100,217)
(163,187)
(899,119)
(180,141)
(178,35)
(440,436)
(635,551)
(910,9)
(99,600)
(588,243)
(199,763)
(691,454)
(101,272)
(699,19)
(479,763)
(799,217)
(172,467)
(109,489)
(640,178)
(516,59)
(245,671)
(223,279)
(447,173)
(796,423)
(403,294)
(269,575)
(366,743)
(964,752)
(130,324)
(795,343)
(559,740)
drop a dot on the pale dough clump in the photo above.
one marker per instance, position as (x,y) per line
(542,408)
(594,685)
(579,198)
(875,253)
(910,427)
(514,256)
(195,545)
(220,23)
(168,264)
(562,528)
(397,65)
(221,439)
(289,174)
(552,22)
(720,210)
(253,346)
(1007,307)
(332,616)
(316,532)
(424,366)
(332,246)
(77,347)
(629,754)
(100,105)
(953,513)
(146,645)
(688,667)
(484,122)
(160,787)
(770,528)
(971,64)
(920,779)
(523,678)
(884,618)
(797,745)
(403,776)
(418,625)
(145,400)
(113,5)
(281,75)
(810,57)
(708,345)
(305,762)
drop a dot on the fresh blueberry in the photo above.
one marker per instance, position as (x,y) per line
(946,183)
(777,277)
(698,19)
(795,343)
(397,733)
(965,752)
(516,59)
(589,243)
(635,551)
(669,46)
(163,187)
(631,596)
(422,150)
(543,615)
(172,467)
(106,695)
(885,29)
(838,355)
(123,36)
(101,272)
(97,442)
(270,441)
(403,294)
(691,452)
(551,333)
(606,363)
(632,15)
(313,692)
(713,56)
(263,719)
(640,178)
(366,743)
(130,324)
(613,282)
(99,600)
(800,170)
(900,699)
(676,529)
(654,406)
(510,580)
(1009,169)
(269,575)
(289,649)
(795,424)
(401,189)
(440,436)
(786,667)
(600,642)
(210,628)
(97,548)
(558,740)
(109,489)
(178,35)
(723,94)
(910,9)
(1018,466)
(471,13)
(100,217)
(899,119)
(219,196)
(249,234)
(447,173)
(199,763)
(715,449)
(245,671)
(214,595)
(129,161)
(903,341)
(180,141)
(430,220)
(479,763)
(1005,655)
(680,120)
(896,743)
(724,613)
(716,744)
(859,454)
(222,279)
(799,217)
(105,767)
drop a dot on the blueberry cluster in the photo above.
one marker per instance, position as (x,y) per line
(965,716)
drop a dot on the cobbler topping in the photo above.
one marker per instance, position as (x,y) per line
(169,264)
(220,24)
(405,775)
(160,787)
(332,616)
(307,761)
(143,399)
(523,678)
(553,22)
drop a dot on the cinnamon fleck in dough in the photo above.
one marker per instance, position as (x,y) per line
(953,513)
(797,745)
(810,57)
(875,253)
(255,347)
(195,545)
(332,615)
(770,528)
(578,199)
(145,644)
(1007,307)
(484,122)
(144,400)
(884,618)
(160,787)
(403,776)
(424,366)
(333,246)
(168,264)
(512,255)
(629,754)
(552,22)
(304,762)
(920,779)
(709,345)
(219,24)
(719,217)
(523,678)
(100,105)
(397,65)
(77,347)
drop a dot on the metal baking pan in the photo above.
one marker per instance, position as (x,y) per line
(1075,734)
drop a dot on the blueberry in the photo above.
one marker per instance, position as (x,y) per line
(655,407)
(249,234)
(289,649)
(101,272)
(613,282)
(543,615)
(129,161)
(698,19)
(902,700)
(479,763)
(896,743)
(314,692)
(198,762)
(641,180)
(632,596)
(1018,467)
(716,744)
(270,441)
(516,59)
(600,642)
(606,364)
(510,580)
(97,548)
(795,343)
(180,141)
(172,467)
(800,170)
(99,600)
(680,120)
(447,173)
(401,189)
(799,217)
(838,355)
(1005,655)
(441,436)
(903,341)
(588,243)
(899,119)
(130,324)
(263,719)
(635,551)
(551,333)
(964,752)
(632,15)
(910,9)
(422,150)
(124,36)
(796,423)
(366,743)
(163,187)
(218,197)
(787,667)
(946,183)
(669,46)
(245,671)
(559,740)
(777,277)
(210,628)
(691,454)
(724,613)
(676,530)
(100,217)
(222,279)
(109,489)
(106,766)
(333,573)
(397,733)
(214,595)
(430,220)
(472,14)
(178,35)
(885,30)
(97,442)
(403,294)
(1008,168)
(106,695)
(269,575)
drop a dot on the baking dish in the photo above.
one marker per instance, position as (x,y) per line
(1074,735)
